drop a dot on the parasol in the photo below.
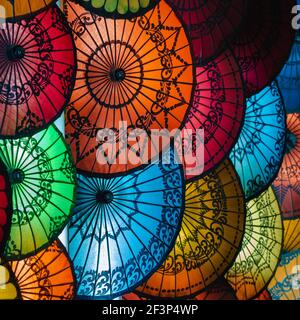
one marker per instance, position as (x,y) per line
(47,275)
(287,183)
(123,227)
(291,235)
(42,178)
(261,248)
(118,8)
(285,284)
(218,109)
(209,239)
(8,290)
(210,24)
(37,70)
(263,43)
(5,206)
(289,79)
(258,154)
(12,9)
(137,72)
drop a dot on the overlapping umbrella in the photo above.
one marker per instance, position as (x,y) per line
(47,275)
(123,228)
(5,206)
(118,8)
(138,72)
(285,284)
(263,43)
(258,153)
(210,24)
(217,111)
(8,290)
(13,9)
(260,253)
(37,69)
(209,239)
(291,234)
(42,177)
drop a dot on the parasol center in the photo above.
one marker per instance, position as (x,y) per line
(117,75)
(17,176)
(104,197)
(291,141)
(15,53)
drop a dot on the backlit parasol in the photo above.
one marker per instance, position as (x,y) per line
(118,8)
(42,178)
(291,234)
(47,275)
(123,228)
(137,71)
(260,253)
(258,154)
(37,70)
(218,108)
(209,239)
(8,290)
(285,284)
(263,43)
(210,24)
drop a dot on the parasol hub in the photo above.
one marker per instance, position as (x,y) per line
(117,75)
(17,176)
(104,197)
(15,53)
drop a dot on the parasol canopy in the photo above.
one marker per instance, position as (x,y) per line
(210,24)
(47,275)
(137,72)
(218,109)
(5,206)
(12,9)
(260,253)
(8,291)
(118,8)
(291,235)
(42,177)
(289,79)
(264,296)
(258,153)
(123,227)
(263,43)
(285,284)
(287,183)
(37,70)
(209,239)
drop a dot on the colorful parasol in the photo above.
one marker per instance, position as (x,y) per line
(37,70)
(289,79)
(218,109)
(287,183)
(209,239)
(123,227)
(118,8)
(42,178)
(263,44)
(210,24)
(258,154)
(5,206)
(138,72)
(285,284)
(12,9)
(261,248)
(47,275)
